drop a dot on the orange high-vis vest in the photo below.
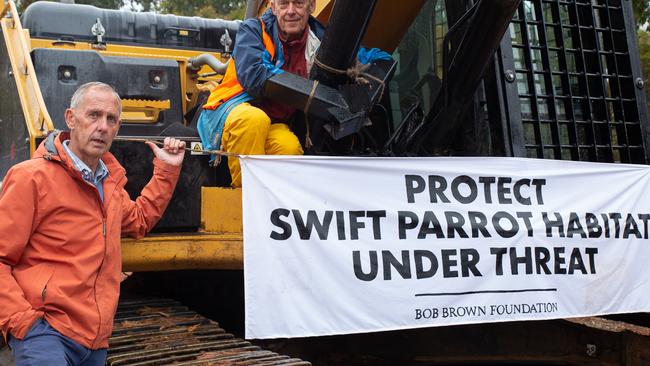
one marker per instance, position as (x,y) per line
(230,86)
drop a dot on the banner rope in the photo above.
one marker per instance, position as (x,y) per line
(356,73)
(308,142)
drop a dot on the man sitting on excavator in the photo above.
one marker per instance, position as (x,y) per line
(237,118)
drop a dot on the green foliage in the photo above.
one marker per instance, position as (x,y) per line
(237,13)
(641,12)
(142,5)
(109,4)
(227,9)
(106,4)
(23,4)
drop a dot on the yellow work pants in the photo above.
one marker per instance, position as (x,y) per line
(248,131)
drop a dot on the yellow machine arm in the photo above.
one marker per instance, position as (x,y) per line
(390,21)
(18,46)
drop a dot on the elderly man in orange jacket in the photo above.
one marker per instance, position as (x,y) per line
(62,214)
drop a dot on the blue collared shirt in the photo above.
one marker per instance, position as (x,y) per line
(86,173)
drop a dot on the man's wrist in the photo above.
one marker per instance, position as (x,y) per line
(166,166)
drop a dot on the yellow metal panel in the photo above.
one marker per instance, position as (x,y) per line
(221,210)
(220,246)
(188,85)
(323,10)
(390,21)
(18,47)
(145,103)
(125,50)
(175,252)
(143,111)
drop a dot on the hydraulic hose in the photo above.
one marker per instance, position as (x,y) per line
(215,64)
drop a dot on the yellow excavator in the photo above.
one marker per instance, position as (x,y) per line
(555,79)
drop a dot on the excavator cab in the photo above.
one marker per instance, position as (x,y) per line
(552,79)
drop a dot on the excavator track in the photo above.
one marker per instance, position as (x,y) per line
(149,332)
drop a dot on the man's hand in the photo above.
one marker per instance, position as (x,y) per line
(172,152)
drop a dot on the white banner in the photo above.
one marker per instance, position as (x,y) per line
(348,245)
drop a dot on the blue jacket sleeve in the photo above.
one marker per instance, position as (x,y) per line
(253,62)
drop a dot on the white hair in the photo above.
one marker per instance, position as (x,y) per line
(78,95)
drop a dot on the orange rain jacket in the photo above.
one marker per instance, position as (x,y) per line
(60,253)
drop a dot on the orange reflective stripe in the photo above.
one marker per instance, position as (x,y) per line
(230,86)
(268,42)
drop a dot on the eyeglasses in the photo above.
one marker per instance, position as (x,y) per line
(284,4)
